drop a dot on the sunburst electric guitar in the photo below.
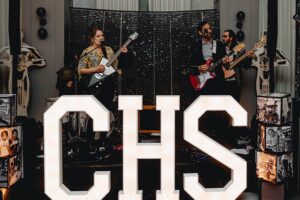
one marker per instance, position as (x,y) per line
(242,54)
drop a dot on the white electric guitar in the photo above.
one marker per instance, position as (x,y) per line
(97,78)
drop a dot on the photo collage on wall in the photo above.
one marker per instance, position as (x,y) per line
(10,155)
(284,167)
(266,167)
(268,110)
(261,137)
(279,139)
(7,109)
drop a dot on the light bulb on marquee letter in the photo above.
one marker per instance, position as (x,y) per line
(238,166)
(54,187)
(132,150)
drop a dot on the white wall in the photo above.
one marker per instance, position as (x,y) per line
(202,5)
(154,5)
(85,3)
(228,10)
(132,5)
(52,49)
(4,23)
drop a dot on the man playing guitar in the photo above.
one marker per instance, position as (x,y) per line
(203,52)
(232,85)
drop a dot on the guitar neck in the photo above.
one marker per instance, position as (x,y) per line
(212,67)
(219,62)
(117,54)
(239,59)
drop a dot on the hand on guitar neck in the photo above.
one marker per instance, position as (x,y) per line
(124,49)
(229,72)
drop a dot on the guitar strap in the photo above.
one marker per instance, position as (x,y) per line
(104,51)
(214,46)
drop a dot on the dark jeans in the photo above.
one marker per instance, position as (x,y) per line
(232,88)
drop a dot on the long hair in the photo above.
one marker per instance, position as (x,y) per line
(200,25)
(93,32)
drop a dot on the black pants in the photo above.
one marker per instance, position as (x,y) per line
(233,89)
(212,87)
(214,124)
(105,94)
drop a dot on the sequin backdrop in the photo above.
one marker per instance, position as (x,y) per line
(160,51)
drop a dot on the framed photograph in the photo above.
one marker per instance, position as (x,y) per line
(274,168)
(275,139)
(274,108)
(15,169)
(11,155)
(285,167)
(7,109)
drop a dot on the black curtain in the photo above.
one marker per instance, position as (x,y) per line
(14,37)
(272,37)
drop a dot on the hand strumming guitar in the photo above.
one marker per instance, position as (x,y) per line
(99,69)
(228,73)
(203,68)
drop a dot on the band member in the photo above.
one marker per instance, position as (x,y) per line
(232,84)
(203,50)
(89,64)
(65,81)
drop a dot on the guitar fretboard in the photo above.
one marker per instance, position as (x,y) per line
(219,62)
(240,58)
(117,54)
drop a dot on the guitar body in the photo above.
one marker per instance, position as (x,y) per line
(92,82)
(199,81)
(97,78)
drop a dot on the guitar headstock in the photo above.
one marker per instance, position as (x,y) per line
(133,36)
(239,47)
(261,42)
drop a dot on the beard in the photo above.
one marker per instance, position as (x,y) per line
(225,42)
(207,35)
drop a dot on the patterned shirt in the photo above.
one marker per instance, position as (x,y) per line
(93,58)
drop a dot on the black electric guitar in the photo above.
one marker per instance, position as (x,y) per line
(95,79)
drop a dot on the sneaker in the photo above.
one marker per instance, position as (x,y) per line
(243,140)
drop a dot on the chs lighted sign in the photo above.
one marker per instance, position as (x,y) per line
(133,150)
